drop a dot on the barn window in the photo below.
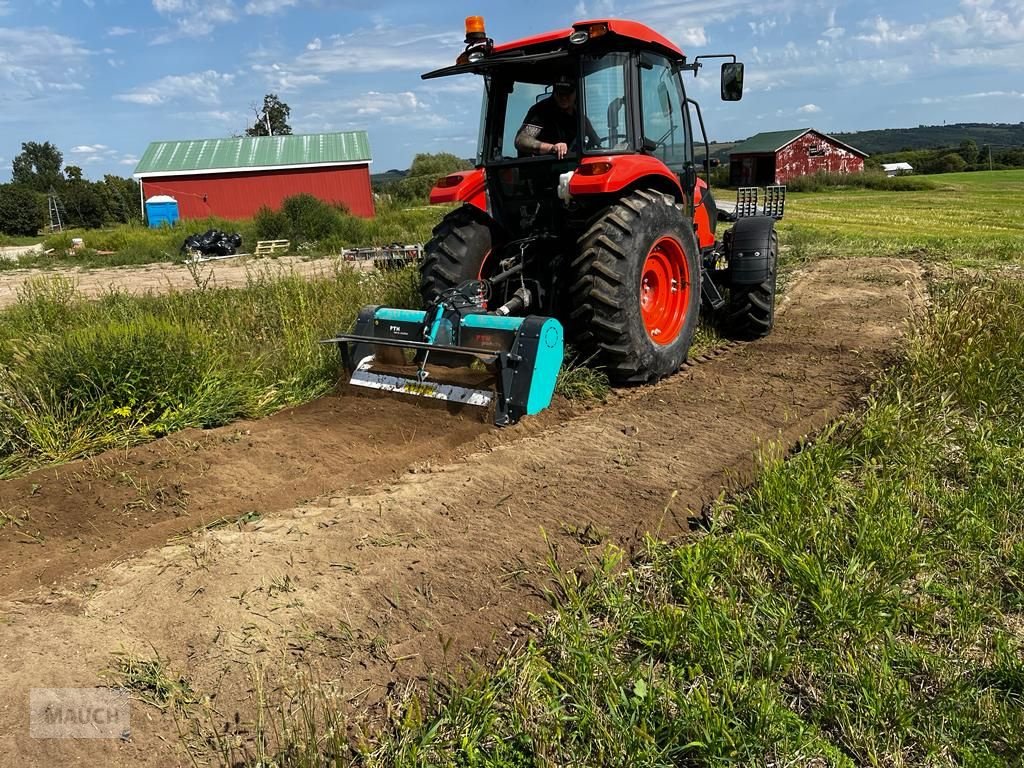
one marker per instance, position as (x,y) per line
(816,150)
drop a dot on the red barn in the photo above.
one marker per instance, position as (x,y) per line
(234,178)
(777,157)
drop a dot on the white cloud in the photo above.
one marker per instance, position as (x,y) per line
(762,28)
(194,17)
(268,7)
(36,63)
(203,87)
(809,109)
(280,79)
(315,44)
(88,149)
(120,31)
(370,108)
(883,32)
(5,8)
(408,49)
(383,105)
(956,98)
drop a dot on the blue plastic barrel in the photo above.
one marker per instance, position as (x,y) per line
(161,210)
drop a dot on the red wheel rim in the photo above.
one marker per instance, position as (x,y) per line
(665,291)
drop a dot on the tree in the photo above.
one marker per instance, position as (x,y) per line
(425,171)
(272,120)
(120,199)
(969,151)
(38,166)
(73,173)
(21,213)
(83,204)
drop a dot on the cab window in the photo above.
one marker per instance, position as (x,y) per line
(604,100)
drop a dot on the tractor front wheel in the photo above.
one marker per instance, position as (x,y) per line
(456,253)
(635,288)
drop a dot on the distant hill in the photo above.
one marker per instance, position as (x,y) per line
(387,177)
(931,136)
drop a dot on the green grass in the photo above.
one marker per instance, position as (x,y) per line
(6,240)
(971,219)
(80,376)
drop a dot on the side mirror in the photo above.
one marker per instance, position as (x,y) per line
(732,81)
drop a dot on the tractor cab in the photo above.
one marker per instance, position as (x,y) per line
(631,120)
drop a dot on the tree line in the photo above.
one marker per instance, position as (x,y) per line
(39,171)
(967,157)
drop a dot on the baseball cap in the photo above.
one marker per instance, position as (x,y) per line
(565,84)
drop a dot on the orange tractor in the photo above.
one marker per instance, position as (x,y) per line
(610,233)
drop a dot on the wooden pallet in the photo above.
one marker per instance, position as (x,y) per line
(270,247)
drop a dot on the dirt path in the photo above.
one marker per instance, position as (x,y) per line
(381,583)
(159,278)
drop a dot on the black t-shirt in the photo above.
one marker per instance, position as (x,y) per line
(555,124)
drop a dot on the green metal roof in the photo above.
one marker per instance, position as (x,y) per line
(771,142)
(767,143)
(248,152)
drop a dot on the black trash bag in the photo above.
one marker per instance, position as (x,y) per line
(213,242)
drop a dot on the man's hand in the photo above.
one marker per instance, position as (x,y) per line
(560,149)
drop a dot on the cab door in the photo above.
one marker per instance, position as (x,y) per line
(665,124)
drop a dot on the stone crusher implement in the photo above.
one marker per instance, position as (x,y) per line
(458,352)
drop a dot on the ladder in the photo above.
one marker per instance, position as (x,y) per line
(58,214)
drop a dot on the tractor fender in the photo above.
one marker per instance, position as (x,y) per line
(705,214)
(614,174)
(462,187)
(751,260)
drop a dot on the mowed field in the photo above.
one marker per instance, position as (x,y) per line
(807,550)
(970,219)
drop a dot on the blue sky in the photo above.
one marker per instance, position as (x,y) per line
(103,78)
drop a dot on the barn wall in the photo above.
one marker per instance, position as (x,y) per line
(752,170)
(797,159)
(240,195)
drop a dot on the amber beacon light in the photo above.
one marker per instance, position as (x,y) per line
(475,29)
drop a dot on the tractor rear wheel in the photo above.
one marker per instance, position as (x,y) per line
(456,252)
(635,288)
(750,313)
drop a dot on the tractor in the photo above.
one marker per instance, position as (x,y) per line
(611,239)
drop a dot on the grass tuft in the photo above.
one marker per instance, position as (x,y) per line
(150,682)
(578,381)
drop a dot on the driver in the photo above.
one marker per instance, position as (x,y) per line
(551,126)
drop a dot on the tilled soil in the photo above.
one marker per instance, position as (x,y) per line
(430,545)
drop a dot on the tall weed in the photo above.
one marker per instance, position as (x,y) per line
(80,376)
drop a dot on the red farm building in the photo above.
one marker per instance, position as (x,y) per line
(779,156)
(234,178)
